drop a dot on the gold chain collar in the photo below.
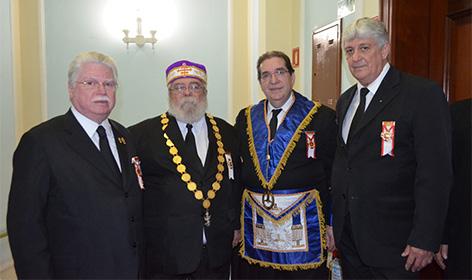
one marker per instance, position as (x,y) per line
(182,169)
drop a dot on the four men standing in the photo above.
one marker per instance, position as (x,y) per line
(75,201)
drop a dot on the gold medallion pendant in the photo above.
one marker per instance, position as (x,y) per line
(187,178)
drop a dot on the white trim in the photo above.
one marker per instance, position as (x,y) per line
(254,50)
(304,71)
(230,62)
(42,60)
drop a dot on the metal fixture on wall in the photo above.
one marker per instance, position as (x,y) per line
(139,40)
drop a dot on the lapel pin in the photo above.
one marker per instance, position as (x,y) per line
(121,140)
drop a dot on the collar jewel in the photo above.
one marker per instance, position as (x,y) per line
(187,178)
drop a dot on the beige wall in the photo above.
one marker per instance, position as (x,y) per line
(371,8)
(282,28)
(258,26)
(28,64)
(240,57)
(278,28)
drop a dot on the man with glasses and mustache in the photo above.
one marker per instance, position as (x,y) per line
(74,209)
(287,147)
(190,163)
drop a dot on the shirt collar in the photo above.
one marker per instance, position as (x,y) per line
(196,126)
(284,107)
(374,86)
(90,126)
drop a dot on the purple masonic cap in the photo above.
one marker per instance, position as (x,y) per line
(185,69)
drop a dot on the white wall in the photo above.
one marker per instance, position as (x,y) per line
(7,123)
(200,35)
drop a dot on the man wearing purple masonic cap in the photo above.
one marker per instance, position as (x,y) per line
(190,162)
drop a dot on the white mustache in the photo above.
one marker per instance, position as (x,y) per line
(101,98)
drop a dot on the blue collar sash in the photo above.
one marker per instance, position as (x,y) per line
(270,158)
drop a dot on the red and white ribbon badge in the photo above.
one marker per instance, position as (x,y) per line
(137,169)
(229,163)
(310,144)
(388,138)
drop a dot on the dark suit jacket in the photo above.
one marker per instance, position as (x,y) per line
(173,222)
(400,200)
(67,216)
(458,231)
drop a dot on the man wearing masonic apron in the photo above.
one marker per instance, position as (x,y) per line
(287,147)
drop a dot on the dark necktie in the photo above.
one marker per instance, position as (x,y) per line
(192,146)
(273,122)
(106,151)
(359,113)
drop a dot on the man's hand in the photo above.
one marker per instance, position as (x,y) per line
(236,237)
(330,244)
(441,256)
(417,258)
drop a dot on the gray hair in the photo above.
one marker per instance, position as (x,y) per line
(364,28)
(89,57)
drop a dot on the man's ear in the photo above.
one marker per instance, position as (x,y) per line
(385,50)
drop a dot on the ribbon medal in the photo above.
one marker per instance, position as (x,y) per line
(229,163)
(388,138)
(137,169)
(310,144)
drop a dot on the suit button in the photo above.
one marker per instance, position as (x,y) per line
(126,194)
(134,244)
(132,219)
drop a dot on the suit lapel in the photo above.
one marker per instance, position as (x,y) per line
(121,141)
(385,93)
(343,110)
(210,161)
(78,140)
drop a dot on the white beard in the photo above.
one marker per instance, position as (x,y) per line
(189,111)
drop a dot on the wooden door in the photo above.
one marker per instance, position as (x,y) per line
(326,80)
(458,66)
(432,39)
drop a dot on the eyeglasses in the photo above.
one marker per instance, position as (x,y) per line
(266,76)
(179,88)
(94,84)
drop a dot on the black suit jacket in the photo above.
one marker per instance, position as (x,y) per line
(458,225)
(68,217)
(400,200)
(173,218)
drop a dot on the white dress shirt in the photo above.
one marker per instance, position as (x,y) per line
(90,128)
(200,131)
(372,87)
(280,117)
